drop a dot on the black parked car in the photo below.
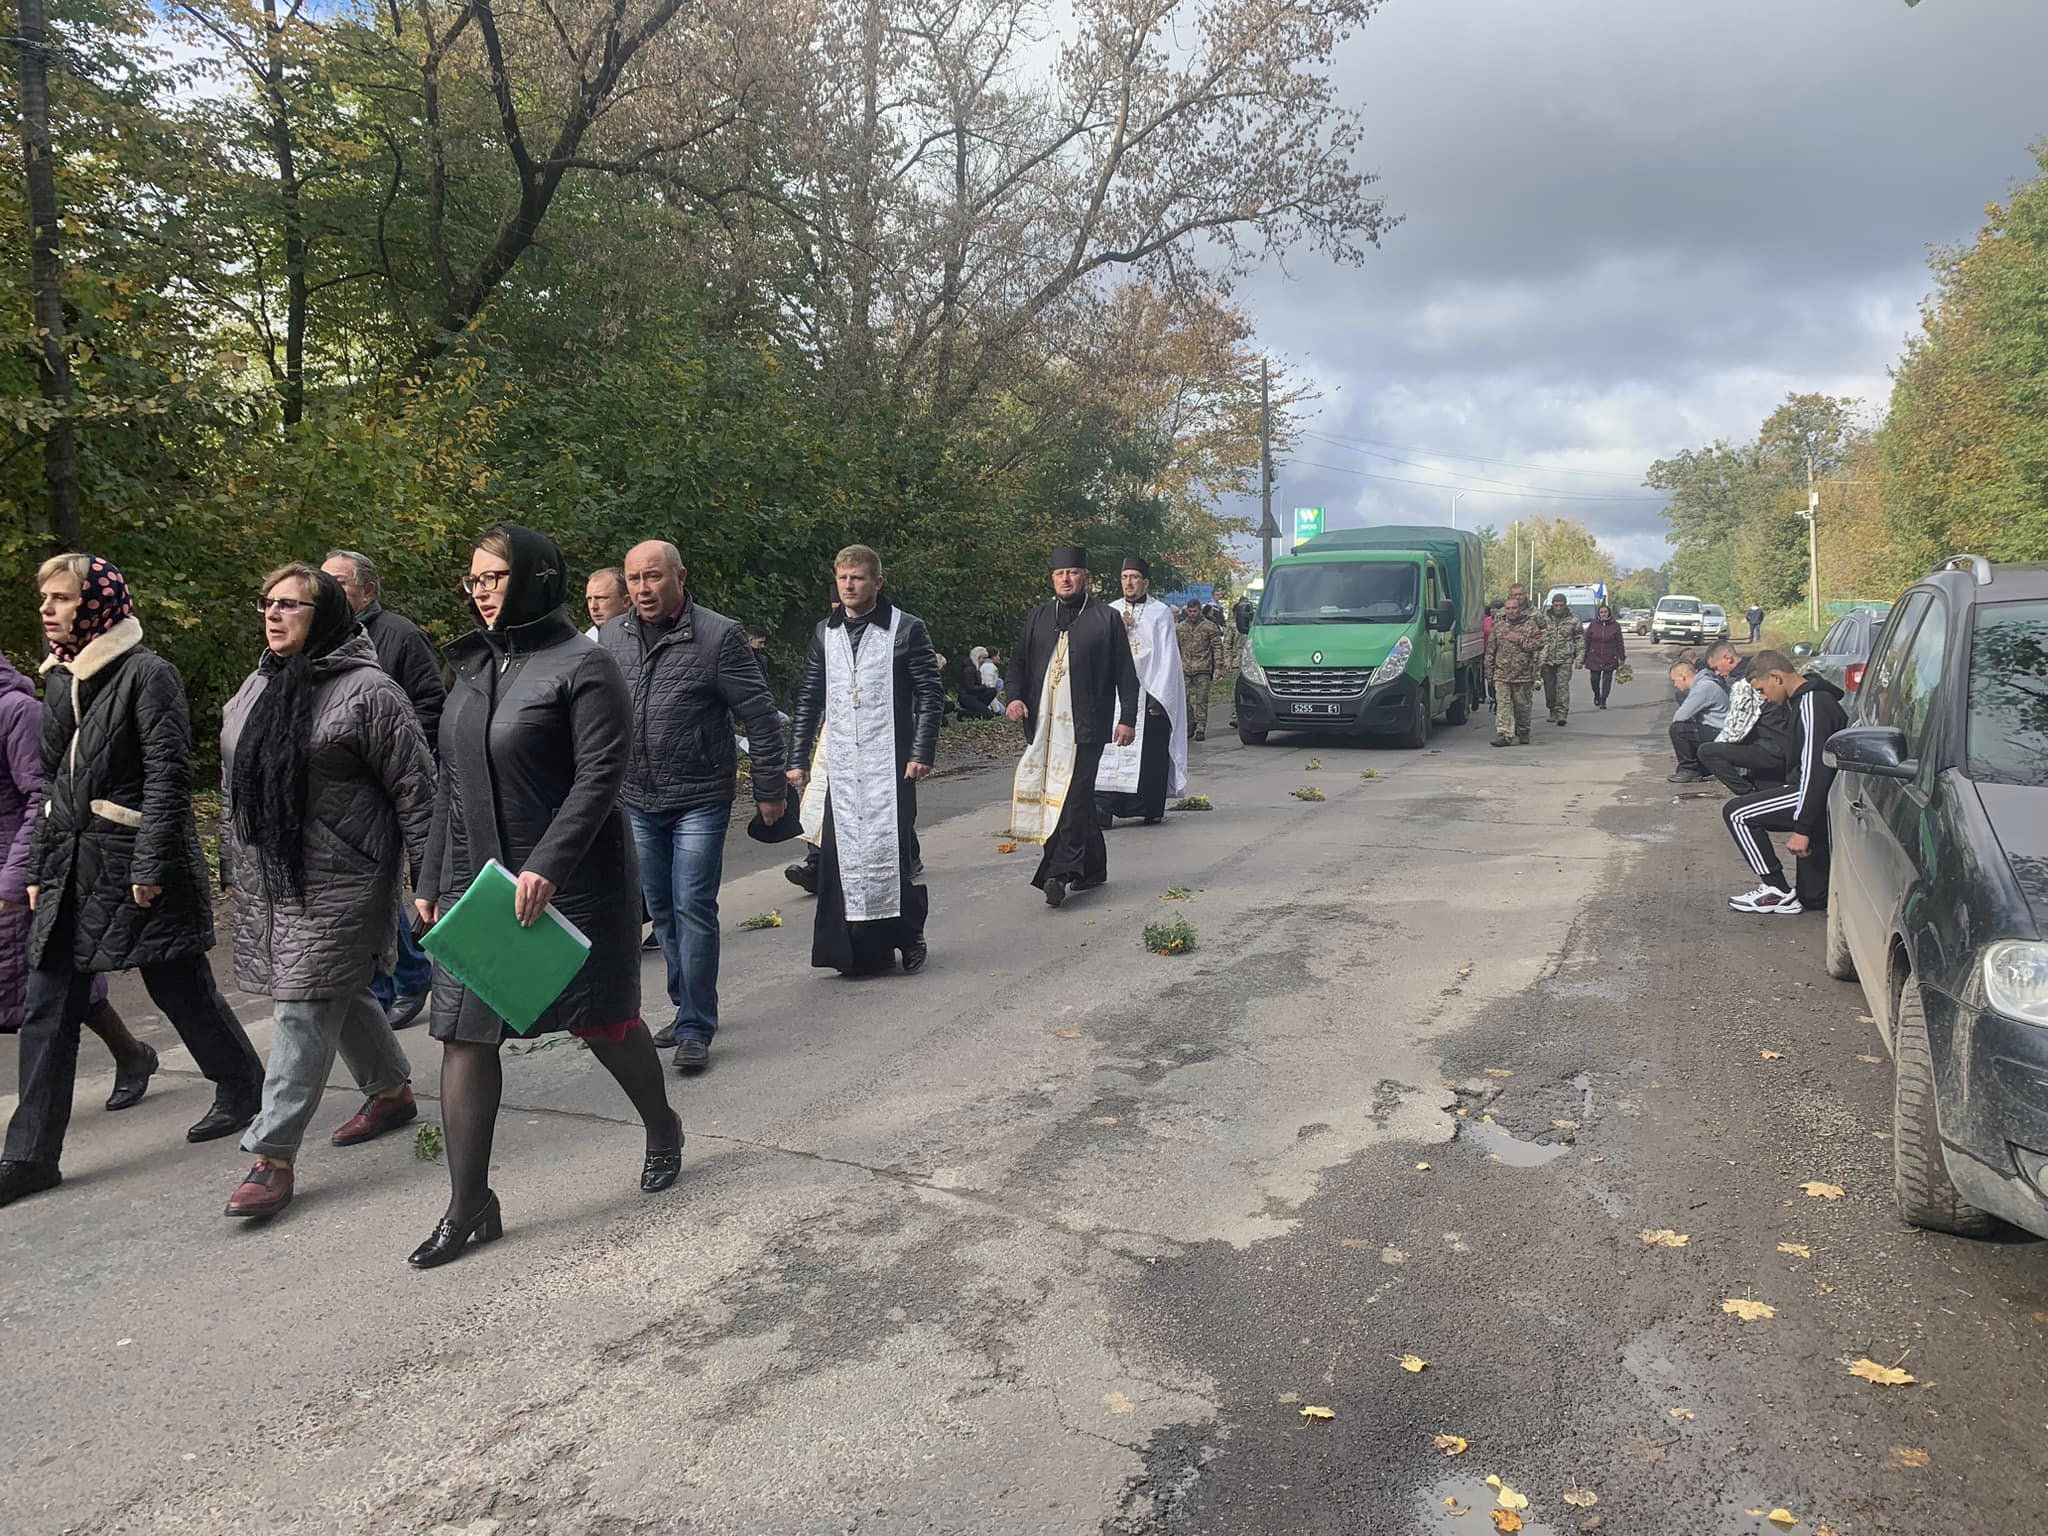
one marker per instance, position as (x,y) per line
(1938,896)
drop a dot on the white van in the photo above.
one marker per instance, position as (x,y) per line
(1583,601)
(1678,619)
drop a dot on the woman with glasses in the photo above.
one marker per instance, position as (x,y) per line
(115,875)
(326,789)
(534,743)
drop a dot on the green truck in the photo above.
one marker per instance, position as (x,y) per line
(1367,631)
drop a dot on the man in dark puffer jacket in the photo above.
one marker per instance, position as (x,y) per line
(690,673)
(115,874)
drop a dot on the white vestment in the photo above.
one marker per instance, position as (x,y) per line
(857,747)
(1155,651)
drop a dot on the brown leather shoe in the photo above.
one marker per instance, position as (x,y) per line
(376,1117)
(266,1191)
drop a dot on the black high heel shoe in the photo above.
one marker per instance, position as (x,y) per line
(131,1085)
(664,1164)
(449,1240)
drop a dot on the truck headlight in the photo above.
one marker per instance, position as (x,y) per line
(2016,979)
(1251,671)
(1395,664)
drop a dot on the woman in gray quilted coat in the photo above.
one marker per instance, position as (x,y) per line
(327,796)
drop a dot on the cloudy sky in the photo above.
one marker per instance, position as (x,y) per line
(1632,226)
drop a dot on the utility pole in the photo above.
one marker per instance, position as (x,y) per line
(1455,495)
(1268,529)
(53,359)
(1812,550)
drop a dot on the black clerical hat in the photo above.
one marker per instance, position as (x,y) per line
(1070,557)
(789,824)
(1137,563)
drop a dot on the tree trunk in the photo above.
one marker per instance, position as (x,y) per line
(292,392)
(53,359)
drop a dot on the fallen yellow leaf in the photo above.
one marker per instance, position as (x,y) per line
(1685,1415)
(1564,1125)
(1783,1518)
(1873,1061)
(1882,1375)
(1506,1520)
(1499,1072)
(1313,1412)
(1749,1311)
(1663,1237)
(1006,847)
(1068,1034)
(1414,1364)
(1797,1250)
(1821,1191)
(1422,1167)
(1509,1499)
(1581,1498)
(1451,1445)
(1909,1456)
(1772,1055)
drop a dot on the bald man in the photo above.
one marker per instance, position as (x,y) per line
(690,672)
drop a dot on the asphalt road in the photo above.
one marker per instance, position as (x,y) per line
(1061,1237)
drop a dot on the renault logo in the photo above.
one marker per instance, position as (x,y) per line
(1317,658)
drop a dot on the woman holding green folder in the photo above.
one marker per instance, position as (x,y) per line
(534,742)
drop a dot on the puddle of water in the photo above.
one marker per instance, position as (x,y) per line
(1468,1516)
(1511,1150)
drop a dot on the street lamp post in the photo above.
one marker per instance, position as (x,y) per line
(1455,497)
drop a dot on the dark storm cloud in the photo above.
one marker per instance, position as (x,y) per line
(1632,226)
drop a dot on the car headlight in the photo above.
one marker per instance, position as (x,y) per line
(2016,980)
(1395,664)
(1251,671)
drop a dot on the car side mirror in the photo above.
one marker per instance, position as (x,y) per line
(1876,750)
(1443,617)
(1801,651)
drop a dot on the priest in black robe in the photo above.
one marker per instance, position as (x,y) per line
(1072,686)
(871,690)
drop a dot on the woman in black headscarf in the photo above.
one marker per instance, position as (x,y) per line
(328,793)
(534,743)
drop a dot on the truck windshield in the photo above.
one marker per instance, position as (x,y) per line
(2009,694)
(1678,605)
(1341,592)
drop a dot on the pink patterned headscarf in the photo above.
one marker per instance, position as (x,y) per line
(103,602)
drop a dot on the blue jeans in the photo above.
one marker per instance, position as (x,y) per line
(682,859)
(414,974)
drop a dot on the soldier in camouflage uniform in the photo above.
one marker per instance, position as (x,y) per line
(1564,642)
(1201,653)
(1511,659)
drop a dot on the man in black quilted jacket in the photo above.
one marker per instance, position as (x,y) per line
(690,671)
(115,875)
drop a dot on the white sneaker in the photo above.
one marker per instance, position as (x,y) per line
(1744,902)
(1769,900)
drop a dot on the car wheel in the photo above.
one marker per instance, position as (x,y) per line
(1840,963)
(1461,708)
(1251,738)
(1927,1197)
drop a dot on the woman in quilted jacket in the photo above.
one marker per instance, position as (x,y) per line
(115,876)
(21,800)
(327,793)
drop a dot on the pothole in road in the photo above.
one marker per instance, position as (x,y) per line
(1450,1505)
(1510,1149)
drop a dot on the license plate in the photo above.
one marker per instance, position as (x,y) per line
(1312,709)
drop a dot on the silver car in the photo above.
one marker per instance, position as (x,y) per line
(1845,650)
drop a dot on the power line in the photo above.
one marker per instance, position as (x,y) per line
(1525,494)
(1346,440)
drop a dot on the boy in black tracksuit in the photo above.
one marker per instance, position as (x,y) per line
(1813,712)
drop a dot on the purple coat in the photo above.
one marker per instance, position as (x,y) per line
(21,794)
(1605,649)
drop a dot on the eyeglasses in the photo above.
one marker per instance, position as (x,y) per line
(484,581)
(284,605)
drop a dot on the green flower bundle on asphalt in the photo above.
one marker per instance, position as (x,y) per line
(1174,938)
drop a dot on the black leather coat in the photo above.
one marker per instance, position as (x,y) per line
(117,810)
(919,693)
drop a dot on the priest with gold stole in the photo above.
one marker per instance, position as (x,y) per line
(1073,688)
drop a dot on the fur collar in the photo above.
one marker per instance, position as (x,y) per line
(102,650)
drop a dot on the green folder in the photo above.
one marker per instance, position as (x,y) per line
(516,972)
